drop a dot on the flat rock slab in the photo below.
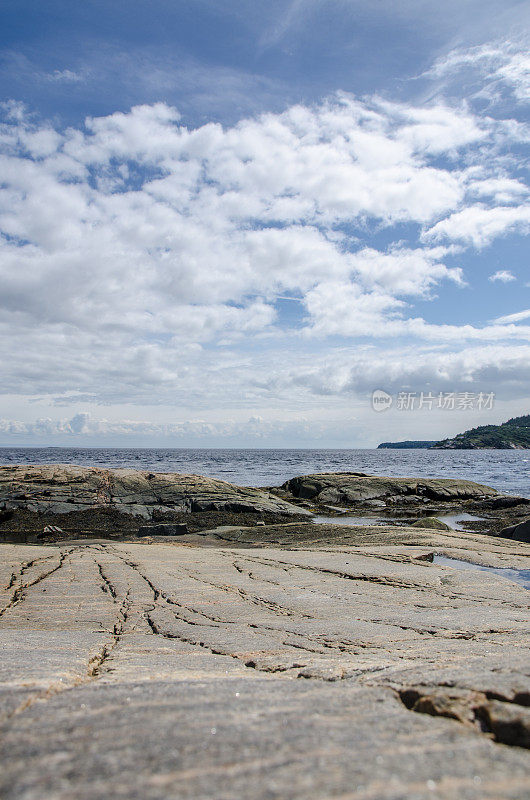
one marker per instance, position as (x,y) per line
(60,488)
(159,671)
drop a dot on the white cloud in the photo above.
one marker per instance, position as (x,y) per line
(141,261)
(479,226)
(340,309)
(517,317)
(84,426)
(502,275)
(502,66)
(349,372)
(65,76)
(404,271)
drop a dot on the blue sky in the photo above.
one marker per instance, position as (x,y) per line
(224,60)
(226,223)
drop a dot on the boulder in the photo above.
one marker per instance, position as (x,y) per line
(59,489)
(376,503)
(350,488)
(520,532)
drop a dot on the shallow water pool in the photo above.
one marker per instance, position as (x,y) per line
(521,576)
(347,519)
(458,521)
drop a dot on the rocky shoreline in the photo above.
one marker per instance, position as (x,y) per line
(180,671)
(261,647)
(53,502)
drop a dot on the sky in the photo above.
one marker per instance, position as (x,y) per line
(226,224)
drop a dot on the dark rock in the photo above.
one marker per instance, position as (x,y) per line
(520,532)
(5,514)
(509,723)
(432,522)
(504,501)
(163,529)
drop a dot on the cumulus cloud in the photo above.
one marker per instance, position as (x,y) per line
(254,427)
(142,262)
(479,226)
(348,372)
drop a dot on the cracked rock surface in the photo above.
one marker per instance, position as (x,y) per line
(173,670)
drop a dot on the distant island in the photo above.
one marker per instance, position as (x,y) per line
(511,435)
(407,445)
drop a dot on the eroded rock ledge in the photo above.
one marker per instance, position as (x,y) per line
(349,488)
(60,489)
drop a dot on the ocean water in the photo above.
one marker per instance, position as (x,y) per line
(505,470)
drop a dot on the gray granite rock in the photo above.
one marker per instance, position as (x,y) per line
(59,489)
(353,487)
(180,672)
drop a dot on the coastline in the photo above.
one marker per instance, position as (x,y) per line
(504,470)
(53,502)
(258,642)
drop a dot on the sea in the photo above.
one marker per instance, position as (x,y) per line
(505,470)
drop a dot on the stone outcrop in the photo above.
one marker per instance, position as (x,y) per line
(350,488)
(59,489)
(520,532)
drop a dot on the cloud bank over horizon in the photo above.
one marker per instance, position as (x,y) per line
(277,269)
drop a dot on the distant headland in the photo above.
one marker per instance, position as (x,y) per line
(511,435)
(406,445)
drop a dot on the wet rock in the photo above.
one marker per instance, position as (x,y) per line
(163,529)
(520,532)
(503,501)
(431,522)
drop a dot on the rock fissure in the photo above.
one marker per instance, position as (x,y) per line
(502,718)
(97,663)
(20,591)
